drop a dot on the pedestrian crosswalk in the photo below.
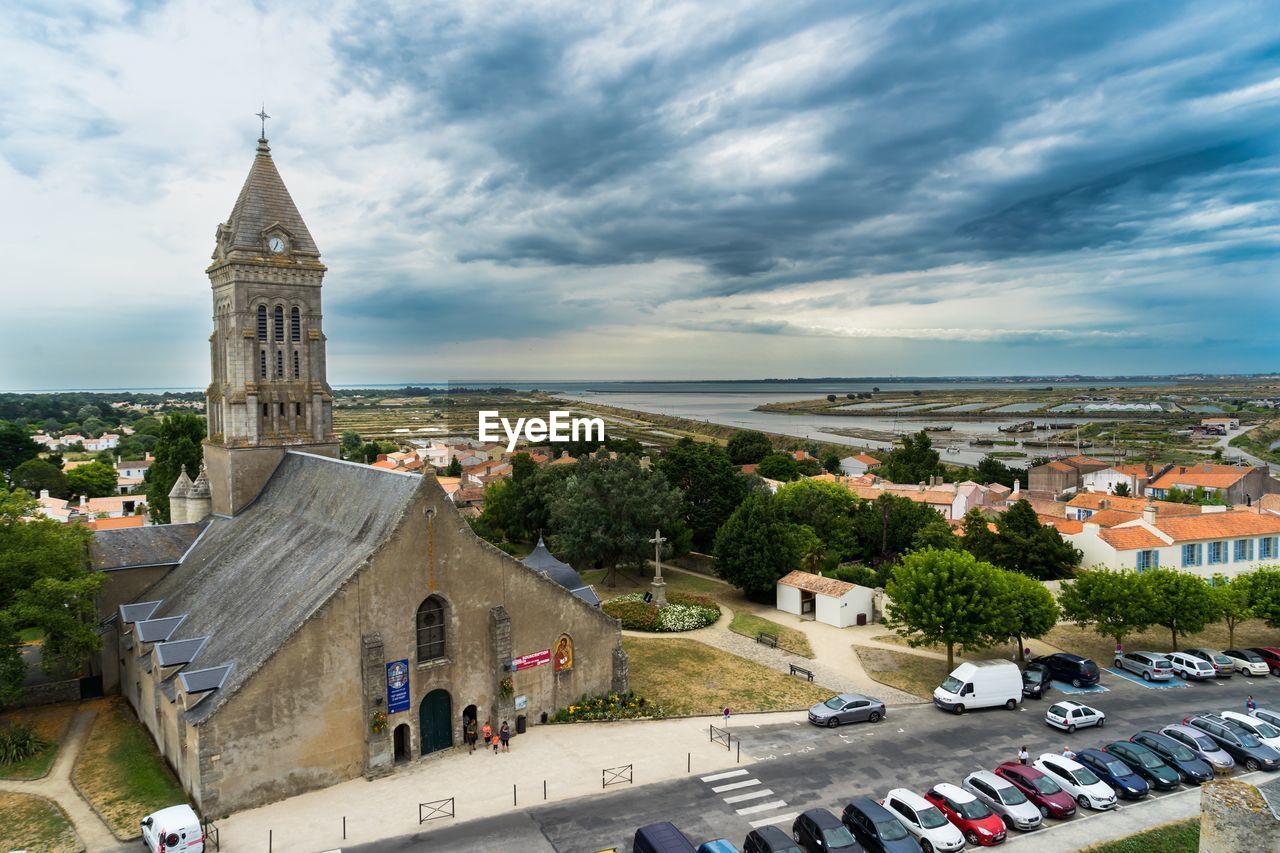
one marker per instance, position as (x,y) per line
(748,797)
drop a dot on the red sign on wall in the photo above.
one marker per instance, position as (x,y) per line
(531,660)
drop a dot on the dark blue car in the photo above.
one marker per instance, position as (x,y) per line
(1120,776)
(1193,770)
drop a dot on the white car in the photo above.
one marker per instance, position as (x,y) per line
(924,821)
(1191,667)
(1070,716)
(1247,662)
(1267,716)
(1077,780)
(1256,726)
(173,828)
(1004,798)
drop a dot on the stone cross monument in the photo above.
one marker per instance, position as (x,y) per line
(659,585)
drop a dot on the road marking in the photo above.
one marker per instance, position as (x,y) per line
(763,807)
(716,777)
(720,789)
(753,795)
(775,819)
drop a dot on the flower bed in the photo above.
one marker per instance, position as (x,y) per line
(683,612)
(611,706)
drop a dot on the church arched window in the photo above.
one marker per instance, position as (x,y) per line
(262,363)
(279,322)
(262,324)
(295,325)
(279,364)
(430,624)
(297,365)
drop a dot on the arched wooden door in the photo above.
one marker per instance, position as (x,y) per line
(435,717)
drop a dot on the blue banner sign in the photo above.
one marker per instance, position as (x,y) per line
(397,686)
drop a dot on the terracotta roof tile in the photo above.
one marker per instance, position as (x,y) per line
(1094,500)
(1130,538)
(1062,525)
(817,583)
(1207,476)
(1220,525)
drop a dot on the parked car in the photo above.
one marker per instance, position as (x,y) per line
(1089,791)
(847,708)
(1190,767)
(980,684)
(661,838)
(769,839)
(1266,715)
(1152,666)
(1070,716)
(819,831)
(1271,655)
(1247,662)
(1246,749)
(1205,747)
(923,820)
(1147,764)
(1120,776)
(1220,662)
(1005,799)
(1191,667)
(980,826)
(1259,728)
(876,829)
(173,828)
(1073,669)
(1044,793)
(719,845)
(1035,681)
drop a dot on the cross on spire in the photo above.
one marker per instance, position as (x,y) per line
(262,114)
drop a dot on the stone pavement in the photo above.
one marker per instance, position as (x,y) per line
(56,786)
(569,758)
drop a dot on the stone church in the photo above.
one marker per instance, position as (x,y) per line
(307,620)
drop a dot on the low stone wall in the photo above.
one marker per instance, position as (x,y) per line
(1235,817)
(50,693)
(703,564)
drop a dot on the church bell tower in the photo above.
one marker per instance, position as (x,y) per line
(268,392)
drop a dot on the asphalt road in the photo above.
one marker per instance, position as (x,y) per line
(801,766)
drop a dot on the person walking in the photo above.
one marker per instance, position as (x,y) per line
(469,734)
(495,743)
(1067,753)
(486,733)
(1250,705)
(504,734)
(1023,755)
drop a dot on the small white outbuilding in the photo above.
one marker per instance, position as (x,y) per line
(827,600)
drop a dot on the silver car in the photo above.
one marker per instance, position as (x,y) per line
(1152,666)
(1190,667)
(1004,799)
(1202,745)
(846,708)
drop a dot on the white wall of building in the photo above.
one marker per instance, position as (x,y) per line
(789,599)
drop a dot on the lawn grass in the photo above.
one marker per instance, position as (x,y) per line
(688,677)
(50,723)
(749,625)
(1089,643)
(120,772)
(31,635)
(1181,836)
(34,823)
(915,674)
(626,580)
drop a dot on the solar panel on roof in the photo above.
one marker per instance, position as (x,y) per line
(203,680)
(179,651)
(138,612)
(158,630)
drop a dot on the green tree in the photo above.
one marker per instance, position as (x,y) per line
(1180,601)
(831,462)
(607,510)
(1264,595)
(748,447)
(825,508)
(454,469)
(779,466)
(1121,490)
(1115,604)
(1021,543)
(887,526)
(914,462)
(178,446)
(16,447)
(992,470)
(755,547)
(93,479)
(350,444)
(936,534)
(1030,608)
(37,474)
(946,597)
(1234,601)
(711,485)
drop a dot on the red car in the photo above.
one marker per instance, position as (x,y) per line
(980,825)
(1040,789)
(1271,655)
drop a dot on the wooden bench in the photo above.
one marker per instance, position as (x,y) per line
(768,639)
(799,670)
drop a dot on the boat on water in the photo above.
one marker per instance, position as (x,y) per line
(938,429)
(1025,426)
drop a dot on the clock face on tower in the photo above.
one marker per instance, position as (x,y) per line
(276,245)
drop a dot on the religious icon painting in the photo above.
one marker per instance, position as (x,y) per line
(563,656)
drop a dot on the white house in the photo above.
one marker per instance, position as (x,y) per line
(856,466)
(830,601)
(1215,541)
(106,441)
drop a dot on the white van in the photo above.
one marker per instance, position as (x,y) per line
(981,684)
(172,830)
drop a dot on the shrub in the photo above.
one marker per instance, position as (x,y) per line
(18,742)
(609,706)
(635,613)
(683,612)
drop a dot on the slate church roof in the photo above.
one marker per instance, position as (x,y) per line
(543,561)
(263,202)
(154,545)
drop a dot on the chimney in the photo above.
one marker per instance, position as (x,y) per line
(1017,486)
(922,485)
(1104,504)
(1149,514)
(44,494)
(564,454)
(84,501)
(382,457)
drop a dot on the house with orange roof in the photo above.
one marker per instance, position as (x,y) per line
(1214,540)
(826,600)
(858,464)
(1236,484)
(1084,505)
(1062,475)
(1134,476)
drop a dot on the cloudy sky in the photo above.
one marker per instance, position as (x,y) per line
(653,190)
